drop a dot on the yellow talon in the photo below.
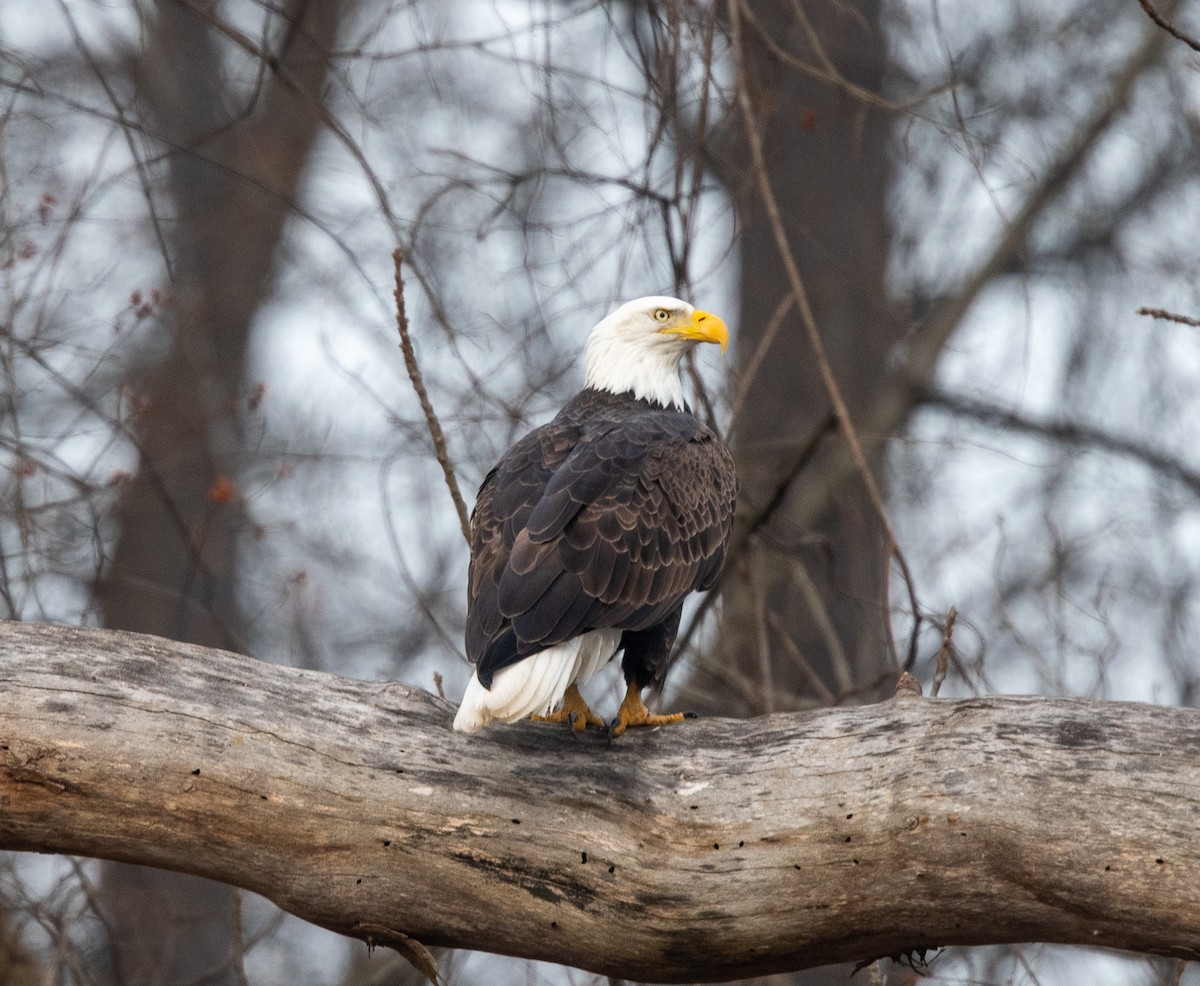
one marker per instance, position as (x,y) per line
(633,712)
(574,711)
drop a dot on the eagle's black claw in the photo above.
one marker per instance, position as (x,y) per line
(691,715)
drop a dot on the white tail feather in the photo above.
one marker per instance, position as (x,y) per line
(535,684)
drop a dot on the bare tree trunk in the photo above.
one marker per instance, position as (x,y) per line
(819,581)
(706,851)
(232,180)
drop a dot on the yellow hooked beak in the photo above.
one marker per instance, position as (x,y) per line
(703,327)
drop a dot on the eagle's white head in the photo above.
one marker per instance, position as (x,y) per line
(638,347)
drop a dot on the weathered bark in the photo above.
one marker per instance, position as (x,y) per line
(706,851)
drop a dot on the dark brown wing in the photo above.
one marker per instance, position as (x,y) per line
(613,533)
(506,497)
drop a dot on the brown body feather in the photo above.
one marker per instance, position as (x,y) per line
(608,516)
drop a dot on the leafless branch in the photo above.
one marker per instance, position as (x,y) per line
(746,379)
(944,652)
(799,661)
(1170,316)
(839,662)
(435,429)
(1070,432)
(1167,26)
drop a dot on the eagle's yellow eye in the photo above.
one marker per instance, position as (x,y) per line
(661,314)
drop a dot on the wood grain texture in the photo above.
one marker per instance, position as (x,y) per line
(708,851)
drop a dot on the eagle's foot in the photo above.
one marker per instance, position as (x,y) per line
(633,712)
(574,712)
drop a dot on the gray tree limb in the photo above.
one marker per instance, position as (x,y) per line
(707,851)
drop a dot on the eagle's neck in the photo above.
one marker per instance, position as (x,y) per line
(650,373)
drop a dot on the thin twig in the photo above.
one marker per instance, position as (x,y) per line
(238,960)
(799,660)
(746,379)
(889,632)
(414,374)
(1070,432)
(762,640)
(840,410)
(1170,316)
(943,655)
(788,476)
(839,663)
(1167,26)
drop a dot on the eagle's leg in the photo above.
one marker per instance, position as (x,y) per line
(633,712)
(574,711)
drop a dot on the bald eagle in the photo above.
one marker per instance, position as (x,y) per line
(591,531)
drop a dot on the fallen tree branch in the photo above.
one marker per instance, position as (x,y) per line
(709,851)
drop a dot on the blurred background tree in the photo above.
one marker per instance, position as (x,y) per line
(207,431)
